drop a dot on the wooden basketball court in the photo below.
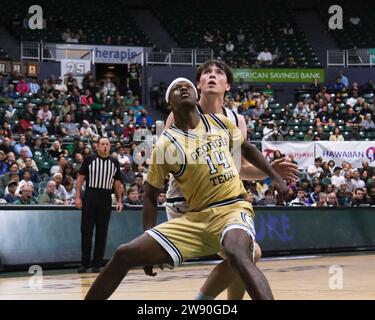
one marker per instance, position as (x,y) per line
(290,278)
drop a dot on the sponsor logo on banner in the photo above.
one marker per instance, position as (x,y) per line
(121,55)
(100,54)
(354,152)
(302,152)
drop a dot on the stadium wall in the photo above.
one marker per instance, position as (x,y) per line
(50,236)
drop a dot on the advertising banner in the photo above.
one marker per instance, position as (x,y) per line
(302,152)
(291,75)
(351,151)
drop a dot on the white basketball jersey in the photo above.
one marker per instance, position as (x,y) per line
(176,205)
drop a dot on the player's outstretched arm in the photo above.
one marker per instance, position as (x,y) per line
(150,206)
(255,157)
(284,168)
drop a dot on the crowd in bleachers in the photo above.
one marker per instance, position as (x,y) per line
(47,127)
(338,112)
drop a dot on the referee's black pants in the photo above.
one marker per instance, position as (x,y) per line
(96,212)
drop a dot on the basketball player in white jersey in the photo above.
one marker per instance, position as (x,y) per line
(214,79)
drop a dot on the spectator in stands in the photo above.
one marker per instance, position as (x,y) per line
(314,196)
(26,197)
(332,200)
(250,197)
(13,172)
(56,151)
(355,21)
(291,136)
(134,79)
(10,159)
(337,179)
(132,197)
(24,154)
(320,135)
(366,167)
(11,196)
(143,119)
(276,56)
(338,86)
(60,192)
(98,128)
(229,46)
(358,199)
(300,112)
(3,165)
(66,35)
(309,135)
(331,166)
(367,123)
(60,86)
(78,160)
(162,198)
(264,58)
(34,176)
(314,87)
(240,37)
(69,128)
(59,166)
(288,30)
(45,113)
(323,118)
(371,194)
(48,196)
(322,201)
(268,200)
(70,190)
(26,180)
(39,128)
(109,87)
(26,118)
(369,87)
(86,130)
(54,127)
(300,200)
(22,86)
(315,170)
(351,118)
(34,86)
(356,182)
(336,135)
(127,174)
(268,130)
(208,37)
(344,79)
(67,172)
(122,157)
(348,181)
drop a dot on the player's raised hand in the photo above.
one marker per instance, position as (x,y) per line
(280,186)
(149,271)
(285,169)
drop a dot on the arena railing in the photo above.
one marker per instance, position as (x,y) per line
(350,58)
(179,56)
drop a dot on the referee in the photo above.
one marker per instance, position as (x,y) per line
(101,174)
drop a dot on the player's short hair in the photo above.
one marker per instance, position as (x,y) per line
(218,63)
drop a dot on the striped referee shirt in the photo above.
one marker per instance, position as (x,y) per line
(100,173)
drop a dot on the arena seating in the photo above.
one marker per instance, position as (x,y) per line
(97,19)
(351,36)
(261,22)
